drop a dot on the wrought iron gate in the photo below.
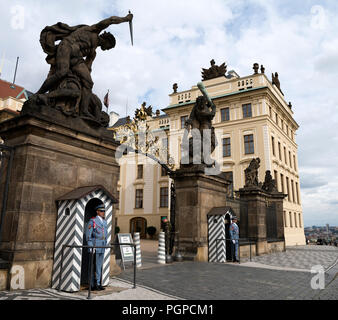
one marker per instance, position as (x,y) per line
(6,161)
(271,221)
(240,208)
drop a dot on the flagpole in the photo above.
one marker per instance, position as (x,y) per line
(108,102)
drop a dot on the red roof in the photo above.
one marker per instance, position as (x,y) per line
(6,90)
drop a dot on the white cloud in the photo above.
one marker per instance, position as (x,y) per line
(174,39)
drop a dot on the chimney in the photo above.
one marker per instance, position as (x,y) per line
(113,117)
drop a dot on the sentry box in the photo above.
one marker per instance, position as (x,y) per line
(74,211)
(218,233)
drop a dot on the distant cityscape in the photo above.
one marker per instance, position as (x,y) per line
(327,233)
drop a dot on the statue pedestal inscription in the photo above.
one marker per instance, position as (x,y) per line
(196,194)
(51,158)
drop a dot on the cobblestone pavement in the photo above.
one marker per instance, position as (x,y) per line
(209,281)
(36,294)
(301,257)
(117,290)
(190,280)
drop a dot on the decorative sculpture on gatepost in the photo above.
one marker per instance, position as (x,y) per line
(201,118)
(68,87)
(269,184)
(251,173)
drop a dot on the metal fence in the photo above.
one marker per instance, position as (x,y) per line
(91,260)
(241,241)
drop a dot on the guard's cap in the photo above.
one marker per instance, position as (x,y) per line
(100,207)
(234,218)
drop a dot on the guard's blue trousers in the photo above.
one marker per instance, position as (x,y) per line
(234,247)
(98,269)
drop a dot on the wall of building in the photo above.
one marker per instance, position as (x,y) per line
(151,183)
(266,102)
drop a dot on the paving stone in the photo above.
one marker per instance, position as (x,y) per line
(217,281)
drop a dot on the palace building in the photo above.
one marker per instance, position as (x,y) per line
(253,120)
(12,97)
(143,186)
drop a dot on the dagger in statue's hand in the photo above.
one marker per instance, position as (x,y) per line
(131,30)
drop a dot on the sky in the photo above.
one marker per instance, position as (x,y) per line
(174,39)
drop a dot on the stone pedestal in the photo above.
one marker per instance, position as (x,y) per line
(258,202)
(52,157)
(196,194)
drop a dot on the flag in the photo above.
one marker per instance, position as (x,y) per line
(106,100)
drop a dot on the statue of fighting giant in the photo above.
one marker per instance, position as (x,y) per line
(69,84)
(201,118)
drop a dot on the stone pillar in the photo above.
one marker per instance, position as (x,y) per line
(51,158)
(196,195)
(257,200)
(278,198)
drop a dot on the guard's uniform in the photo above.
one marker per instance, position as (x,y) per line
(96,235)
(234,236)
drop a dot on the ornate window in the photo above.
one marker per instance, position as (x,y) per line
(140,171)
(226,147)
(282,182)
(249,144)
(288,188)
(183,120)
(279,152)
(139,198)
(247,112)
(164,197)
(225,114)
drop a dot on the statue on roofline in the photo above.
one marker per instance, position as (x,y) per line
(214,71)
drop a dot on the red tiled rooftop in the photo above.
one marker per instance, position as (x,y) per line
(6,90)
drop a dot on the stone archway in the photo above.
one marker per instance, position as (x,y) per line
(139,224)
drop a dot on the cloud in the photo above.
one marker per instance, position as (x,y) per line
(311,181)
(174,39)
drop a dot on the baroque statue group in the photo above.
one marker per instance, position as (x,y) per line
(71,52)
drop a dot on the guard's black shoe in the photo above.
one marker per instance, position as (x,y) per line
(94,288)
(101,288)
